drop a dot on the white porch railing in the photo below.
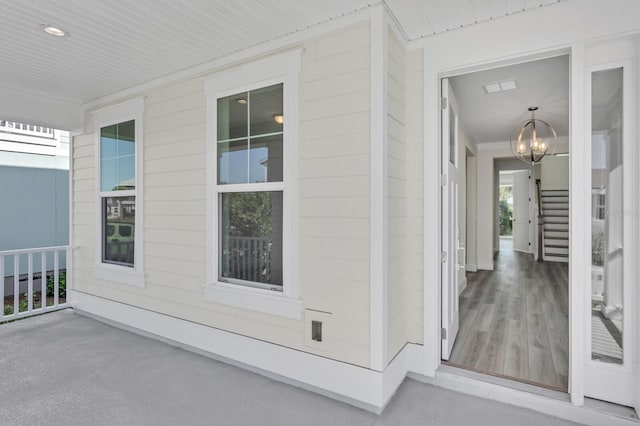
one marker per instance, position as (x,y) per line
(247,258)
(33,281)
(26,129)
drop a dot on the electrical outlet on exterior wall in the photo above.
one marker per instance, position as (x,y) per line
(317,328)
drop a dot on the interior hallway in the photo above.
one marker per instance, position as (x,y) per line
(514,320)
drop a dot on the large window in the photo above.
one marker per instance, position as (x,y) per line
(251,139)
(118,182)
(250,187)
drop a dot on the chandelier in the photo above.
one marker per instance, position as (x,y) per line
(532,140)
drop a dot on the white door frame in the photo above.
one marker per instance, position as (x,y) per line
(450,306)
(604,380)
(475,48)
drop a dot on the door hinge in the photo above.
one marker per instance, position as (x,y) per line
(529,243)
(443,180)
(443,256)
(443,333)
(443,103)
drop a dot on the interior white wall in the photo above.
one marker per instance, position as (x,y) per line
(463,141)
(471,201)
(554,173)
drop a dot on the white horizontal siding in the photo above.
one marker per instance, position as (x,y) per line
(397,237)
(333,194)
(415,198)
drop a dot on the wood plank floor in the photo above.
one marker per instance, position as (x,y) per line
(514,320)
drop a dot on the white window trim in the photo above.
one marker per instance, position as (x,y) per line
(119,113)
(280,68)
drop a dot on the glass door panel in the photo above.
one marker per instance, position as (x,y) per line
(607,208)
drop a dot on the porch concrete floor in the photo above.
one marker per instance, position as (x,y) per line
(62,368)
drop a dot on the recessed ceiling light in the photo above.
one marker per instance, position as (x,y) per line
(54,31)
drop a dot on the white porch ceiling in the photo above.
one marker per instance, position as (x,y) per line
(114,45)
(424,18)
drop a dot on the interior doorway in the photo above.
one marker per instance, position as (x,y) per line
(513,309)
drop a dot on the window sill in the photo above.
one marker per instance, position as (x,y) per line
(119,274)
(254,299)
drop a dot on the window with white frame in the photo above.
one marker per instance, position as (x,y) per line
(252,128)
(118,175)
(250,186)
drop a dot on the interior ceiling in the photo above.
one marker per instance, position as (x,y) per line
(114,45)
(493,117)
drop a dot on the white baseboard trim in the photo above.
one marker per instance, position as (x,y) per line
(486,266)
(557,407)
(462,285)
(362,387)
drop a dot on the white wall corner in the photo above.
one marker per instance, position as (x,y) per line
(432,217)
(378,191)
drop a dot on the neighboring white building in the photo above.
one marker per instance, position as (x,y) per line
(34,189)
(34,177)
(347,239)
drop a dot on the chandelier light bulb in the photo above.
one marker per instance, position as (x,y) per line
(522,148)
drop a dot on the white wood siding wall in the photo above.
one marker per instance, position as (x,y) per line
(334,188)
(396,196)
(333,204)
(415,195)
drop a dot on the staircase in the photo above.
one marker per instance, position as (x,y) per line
(555,209)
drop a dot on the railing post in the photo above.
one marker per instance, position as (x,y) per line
(2,285)
(43,280)
(30,282)
(56,269)
(16,283)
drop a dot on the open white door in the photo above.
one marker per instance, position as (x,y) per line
(521,211)
(450,237)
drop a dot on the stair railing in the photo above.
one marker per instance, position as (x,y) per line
(540,221)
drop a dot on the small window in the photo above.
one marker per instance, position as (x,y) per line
(117,175)
(118,178)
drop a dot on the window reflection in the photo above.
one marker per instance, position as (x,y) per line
(250,142)
(607,300)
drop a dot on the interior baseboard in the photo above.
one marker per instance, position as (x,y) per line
(486,266)
(462,285)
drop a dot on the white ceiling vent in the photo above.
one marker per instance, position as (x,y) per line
(501,86)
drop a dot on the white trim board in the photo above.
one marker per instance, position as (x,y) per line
(364,388)
(358,386)
(542,403)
